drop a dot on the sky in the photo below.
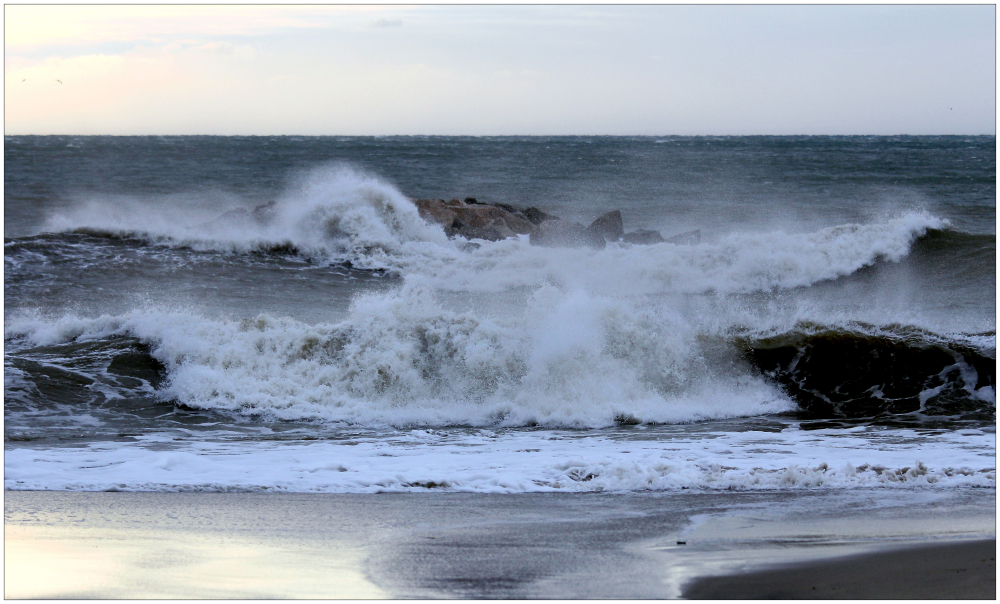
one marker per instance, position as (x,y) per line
(499,70)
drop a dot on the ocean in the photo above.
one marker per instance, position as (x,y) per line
(832,328)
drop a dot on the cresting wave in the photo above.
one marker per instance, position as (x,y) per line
(343,216)
(581,338)
(404,359)
(569,360)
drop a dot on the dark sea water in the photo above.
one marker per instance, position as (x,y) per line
(835,326)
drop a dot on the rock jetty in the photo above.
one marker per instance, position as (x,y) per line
(473,219)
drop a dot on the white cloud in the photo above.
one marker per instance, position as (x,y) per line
(33,26)
(495,70)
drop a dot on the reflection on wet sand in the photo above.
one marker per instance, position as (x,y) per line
(61,562)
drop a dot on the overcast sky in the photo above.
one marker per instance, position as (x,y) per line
(494,70)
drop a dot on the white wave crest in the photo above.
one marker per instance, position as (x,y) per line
(567,360)
(335,213)
(341,214)
(738,263)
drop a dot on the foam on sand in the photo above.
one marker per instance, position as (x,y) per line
(516,462)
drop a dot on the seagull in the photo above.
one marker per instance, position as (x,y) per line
(24,80)
(60,81)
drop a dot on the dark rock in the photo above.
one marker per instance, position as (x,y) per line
(473,221)
(506,207)
(490,233)
(536,216)
(266,213)
(688,238)
(643,237)
(454,228)
(608,226)
(484,215)
(562,233)
(434,210)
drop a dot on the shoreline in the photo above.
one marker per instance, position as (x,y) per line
(455,545)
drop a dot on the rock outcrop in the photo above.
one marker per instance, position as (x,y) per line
(266,213)
(688,238)
(648,237)
(643,237)
(563,233)
(608,227)
(473,219)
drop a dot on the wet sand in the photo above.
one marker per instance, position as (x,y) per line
(454,545)
(965,570)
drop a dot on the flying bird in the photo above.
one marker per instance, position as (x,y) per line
(24,80)
(60,81)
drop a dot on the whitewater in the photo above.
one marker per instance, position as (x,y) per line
(349,346)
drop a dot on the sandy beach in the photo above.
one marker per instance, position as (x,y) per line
(452,545)
(964,570)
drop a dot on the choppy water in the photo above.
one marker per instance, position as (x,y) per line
(834,327)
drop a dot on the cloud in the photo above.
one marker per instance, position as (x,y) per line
(28,27)
(510,70)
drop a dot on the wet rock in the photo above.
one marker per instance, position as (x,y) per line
(536,216)
(506,207)
(435,210)
(609,226)
(490,232)
(532,214)
(473,220)
(688,238)
(643,237)
(265,214)
(562,233)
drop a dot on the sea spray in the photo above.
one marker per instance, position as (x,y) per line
(403,359)
(342,215)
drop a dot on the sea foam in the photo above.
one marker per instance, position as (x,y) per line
(403,359)
(538,461)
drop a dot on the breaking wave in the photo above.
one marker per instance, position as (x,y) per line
(569,360)
(343,216)
(580,337)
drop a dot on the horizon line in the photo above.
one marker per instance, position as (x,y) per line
(514,135)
